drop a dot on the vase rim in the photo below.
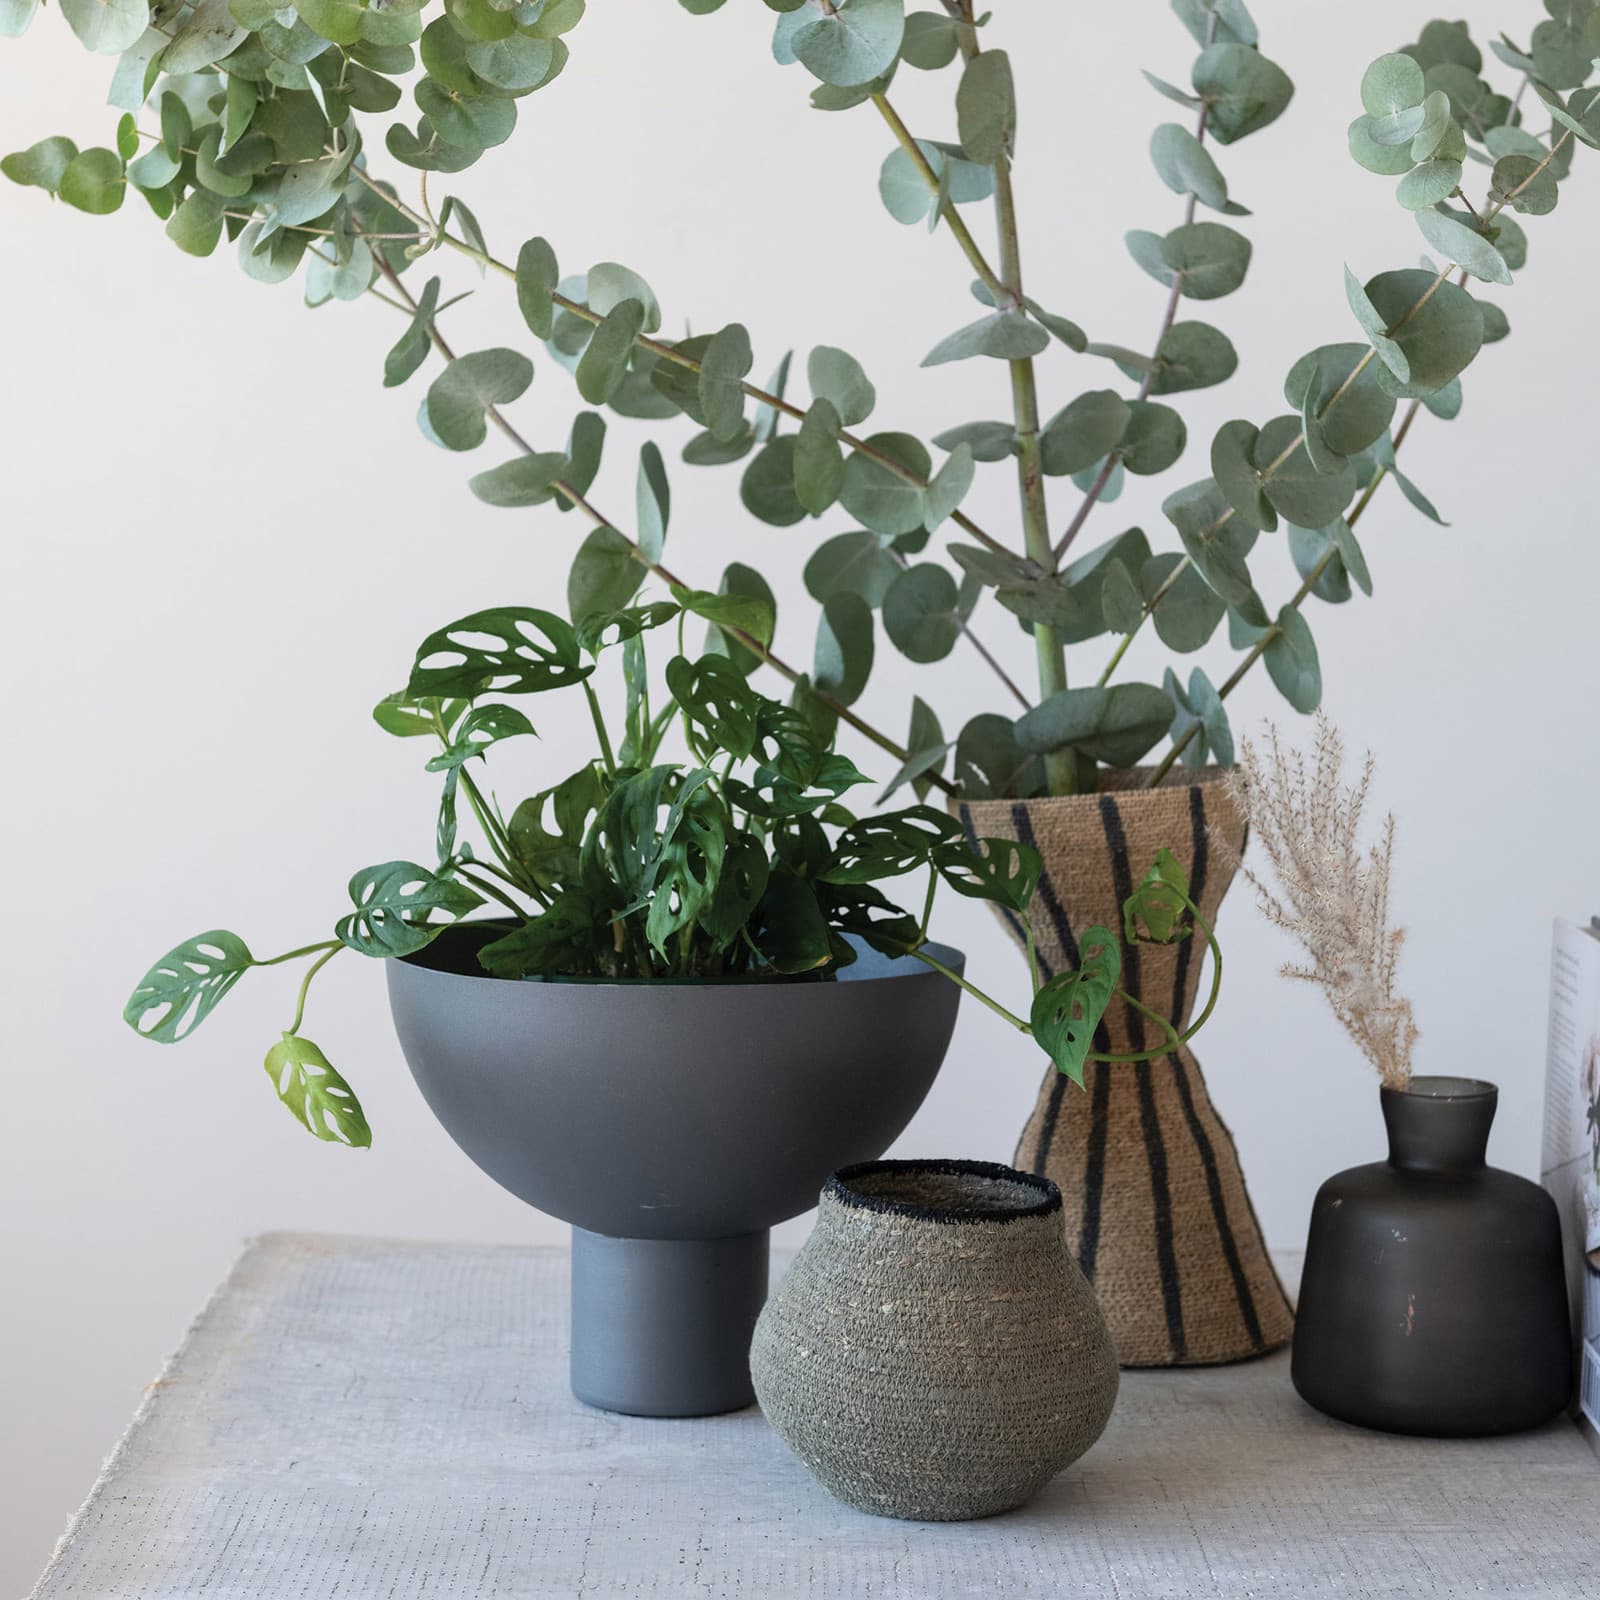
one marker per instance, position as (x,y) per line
(851,1187)
(1123,782)
(1440,1086)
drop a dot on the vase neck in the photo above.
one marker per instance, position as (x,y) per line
(1439,1125)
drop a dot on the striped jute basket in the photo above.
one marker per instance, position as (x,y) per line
(1156,1204)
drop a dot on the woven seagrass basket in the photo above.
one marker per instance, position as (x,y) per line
(934,1352)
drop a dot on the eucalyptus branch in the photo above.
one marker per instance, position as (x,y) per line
(669,353)
(1049,649)
(1308,583)
(575,499)
(1097,488)
(992,280)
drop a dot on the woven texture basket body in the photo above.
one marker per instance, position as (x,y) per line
(1156,1204)
(934,1352)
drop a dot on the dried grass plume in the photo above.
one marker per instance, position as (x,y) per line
(1335,893)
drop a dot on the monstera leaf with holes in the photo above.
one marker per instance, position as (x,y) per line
(180,991)
(394,903)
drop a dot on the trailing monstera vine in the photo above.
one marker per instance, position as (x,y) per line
(740,861)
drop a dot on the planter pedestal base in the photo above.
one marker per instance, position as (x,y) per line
(661,1327)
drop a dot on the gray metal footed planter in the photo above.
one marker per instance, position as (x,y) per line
(672,1124)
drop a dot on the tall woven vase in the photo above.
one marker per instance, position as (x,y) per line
(1156,1205)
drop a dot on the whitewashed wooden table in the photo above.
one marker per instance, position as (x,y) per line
(358,1418)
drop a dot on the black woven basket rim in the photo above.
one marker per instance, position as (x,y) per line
(838,1188)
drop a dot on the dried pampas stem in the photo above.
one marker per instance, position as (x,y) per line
(1335,894)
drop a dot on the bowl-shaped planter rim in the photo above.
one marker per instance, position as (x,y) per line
(670,1109)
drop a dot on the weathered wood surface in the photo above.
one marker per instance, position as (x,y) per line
(359,1418)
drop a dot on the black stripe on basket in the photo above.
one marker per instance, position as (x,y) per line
(1022,826)
(1150,1120)
(1094,1171)
(1012,920)
(1202,1142)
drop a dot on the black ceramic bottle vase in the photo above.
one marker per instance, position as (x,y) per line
(1434,1299)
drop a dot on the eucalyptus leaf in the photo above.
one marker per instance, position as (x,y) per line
(906,193)
(836,376)
(1116,725)
(1006,335)
(920,613)
(1208,259)
(1363,409)
(767,487)
(986,108)
(522,481)
(1291,661)
(1238,476)
(107,27)
(1084,432)
(854,43)
(537,276)
(948,488)
(818,460)
(1154,439)
(43,165)
(93,181)
(844,651)
(855,563)
(987,441)
(880,499)
(1184,165)
(1466,247)
(1192,355)
(459,399)
(723,368)
(605,575)
(1438,337)
(1243,91)
(652,501)
(990,764)
(1524,184)
(1294,485)
(604,361)
(1188,610)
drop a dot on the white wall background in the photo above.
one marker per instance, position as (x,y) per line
(224,539)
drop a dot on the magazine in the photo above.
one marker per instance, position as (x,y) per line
(1570,1168)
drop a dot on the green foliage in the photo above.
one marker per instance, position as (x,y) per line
(254,125)
(272,130)
(317,1097)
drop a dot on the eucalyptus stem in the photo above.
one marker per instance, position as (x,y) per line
(1310,581)
(1060,766)
(1097,488)
(669,353)
(575,499)
(1258,649)
(992,281)
(305,983)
